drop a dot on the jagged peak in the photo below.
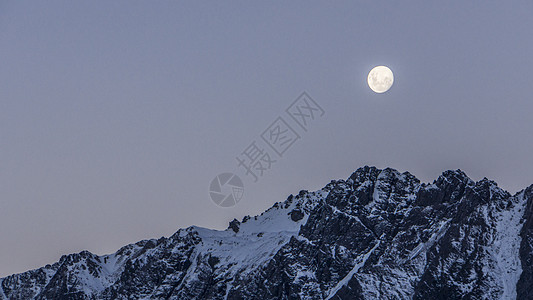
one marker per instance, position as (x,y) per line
(333,222)
(189,233)
(490,189)
(365,173)
(390,175)
(485,182)
(454,177)
(526,192)
(372,173)
(75,257)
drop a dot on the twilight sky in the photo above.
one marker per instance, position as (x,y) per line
(115,116)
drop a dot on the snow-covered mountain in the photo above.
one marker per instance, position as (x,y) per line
(380,234)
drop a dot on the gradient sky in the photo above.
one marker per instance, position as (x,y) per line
(115,116)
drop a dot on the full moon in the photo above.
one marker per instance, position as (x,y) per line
(380,79)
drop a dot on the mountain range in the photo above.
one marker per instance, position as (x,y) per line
(380,234)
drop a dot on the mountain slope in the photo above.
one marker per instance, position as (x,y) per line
(380,234)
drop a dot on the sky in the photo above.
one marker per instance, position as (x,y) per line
(115,116)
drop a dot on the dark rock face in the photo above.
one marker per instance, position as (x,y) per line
(297,215)
(234,225)
(380,234)
(525,283)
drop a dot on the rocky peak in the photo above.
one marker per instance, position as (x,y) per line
(378,234)
(364,174)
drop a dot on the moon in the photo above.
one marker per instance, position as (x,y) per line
(380,79)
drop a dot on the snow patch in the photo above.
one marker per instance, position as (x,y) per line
(504,263)
(360,261)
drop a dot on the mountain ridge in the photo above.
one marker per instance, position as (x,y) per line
(377,234)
